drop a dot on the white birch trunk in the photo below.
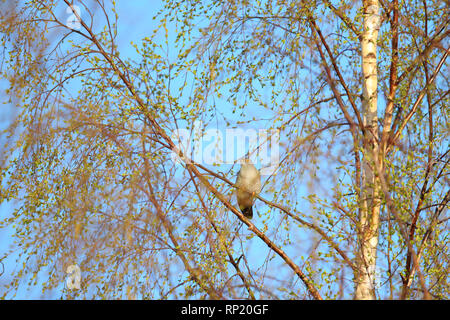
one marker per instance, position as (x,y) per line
(370,209)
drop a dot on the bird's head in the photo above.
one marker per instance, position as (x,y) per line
(247,167)
(245,162)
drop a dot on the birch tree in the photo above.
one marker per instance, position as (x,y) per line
(369,218)
(95,177)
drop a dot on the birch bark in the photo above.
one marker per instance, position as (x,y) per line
(370,209)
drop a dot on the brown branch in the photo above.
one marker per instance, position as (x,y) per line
(230,256)
(432,43)
(434,221)
(338,73)
(290,214)
(194,272)
(344,18)
(395,135)
(311,288)
(392,79)
(423,190)
(315,228)
(401,226)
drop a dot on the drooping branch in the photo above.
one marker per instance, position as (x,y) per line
(159,131)
(394,136)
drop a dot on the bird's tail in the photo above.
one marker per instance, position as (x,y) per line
(248,212)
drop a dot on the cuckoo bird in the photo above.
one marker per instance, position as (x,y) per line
(248,185)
